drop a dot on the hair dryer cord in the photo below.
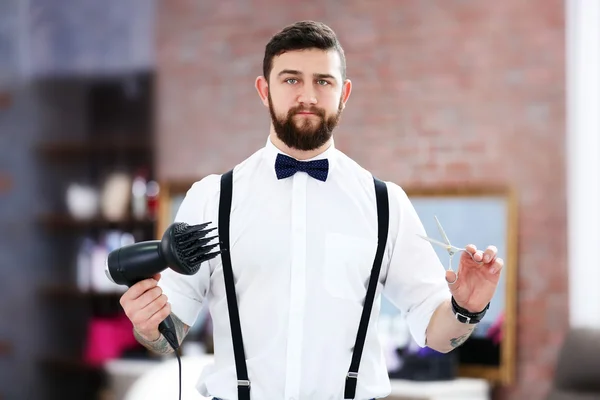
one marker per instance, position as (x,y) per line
(167,328)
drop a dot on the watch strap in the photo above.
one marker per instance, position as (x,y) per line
(466,317)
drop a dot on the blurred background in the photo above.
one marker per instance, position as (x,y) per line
(110,110)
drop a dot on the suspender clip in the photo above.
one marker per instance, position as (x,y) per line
(244,383)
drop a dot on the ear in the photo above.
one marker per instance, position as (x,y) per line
(262,87)
(346,89)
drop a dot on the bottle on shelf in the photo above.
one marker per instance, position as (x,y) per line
(139,203)
(152,191)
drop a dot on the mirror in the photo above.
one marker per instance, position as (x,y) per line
(481,216)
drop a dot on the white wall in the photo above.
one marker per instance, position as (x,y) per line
(583,160)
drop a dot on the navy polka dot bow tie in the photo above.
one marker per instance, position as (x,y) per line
(286,166)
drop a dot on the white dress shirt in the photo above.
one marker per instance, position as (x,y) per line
(302,252)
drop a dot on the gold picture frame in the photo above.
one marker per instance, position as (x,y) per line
(465,212)
(169,199)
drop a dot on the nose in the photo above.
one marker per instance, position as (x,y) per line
(307,95)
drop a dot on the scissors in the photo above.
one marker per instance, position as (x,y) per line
(452,250)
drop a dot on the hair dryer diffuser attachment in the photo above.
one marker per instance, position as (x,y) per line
(186,247)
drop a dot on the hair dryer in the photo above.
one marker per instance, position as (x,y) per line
(183,248)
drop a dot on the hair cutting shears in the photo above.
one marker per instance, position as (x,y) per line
(452,250)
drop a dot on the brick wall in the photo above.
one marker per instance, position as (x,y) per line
(444,91)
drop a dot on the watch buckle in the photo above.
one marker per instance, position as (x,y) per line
(467,319)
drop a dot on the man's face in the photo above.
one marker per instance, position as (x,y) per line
(305,96)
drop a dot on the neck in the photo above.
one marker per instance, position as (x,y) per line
(295,153)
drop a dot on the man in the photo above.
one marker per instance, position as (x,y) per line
(302,248)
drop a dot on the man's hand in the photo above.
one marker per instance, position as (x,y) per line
(146,307)
(478,276)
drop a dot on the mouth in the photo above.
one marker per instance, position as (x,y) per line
(305,113)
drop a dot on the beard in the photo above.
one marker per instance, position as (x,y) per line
(306,135)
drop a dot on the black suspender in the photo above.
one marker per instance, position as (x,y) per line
(243,382)
(383,222)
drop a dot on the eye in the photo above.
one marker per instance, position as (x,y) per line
(291,81)
(322,82)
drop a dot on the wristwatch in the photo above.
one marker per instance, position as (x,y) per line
(465,316)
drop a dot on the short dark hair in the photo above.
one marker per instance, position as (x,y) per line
(302,35)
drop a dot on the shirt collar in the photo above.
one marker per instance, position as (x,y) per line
(270,154)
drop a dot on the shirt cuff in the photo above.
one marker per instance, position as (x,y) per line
(418,318)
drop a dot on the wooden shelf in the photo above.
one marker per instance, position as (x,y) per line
(105,146)
(64,221)
(67,364)
(118,135)
(72,291)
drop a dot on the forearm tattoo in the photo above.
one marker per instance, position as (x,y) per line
(160,345)
(181,329)
(457,341)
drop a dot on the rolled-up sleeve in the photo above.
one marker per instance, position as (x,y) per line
(415,281)
(186,293)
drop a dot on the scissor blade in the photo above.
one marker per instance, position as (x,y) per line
(444,245)
(442,231)
(448,247)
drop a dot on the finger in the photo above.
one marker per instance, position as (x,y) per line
(156,277)
(477,256)
(451,277)
(497,266)
(148,297)
(470,253)
(148,311)
(138,289)
(490,254)
(471,249)
(160,315)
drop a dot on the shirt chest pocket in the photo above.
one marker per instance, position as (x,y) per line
(347,266)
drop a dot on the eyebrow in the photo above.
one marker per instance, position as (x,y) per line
(316,76)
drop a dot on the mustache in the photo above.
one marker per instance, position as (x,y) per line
(313,110)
